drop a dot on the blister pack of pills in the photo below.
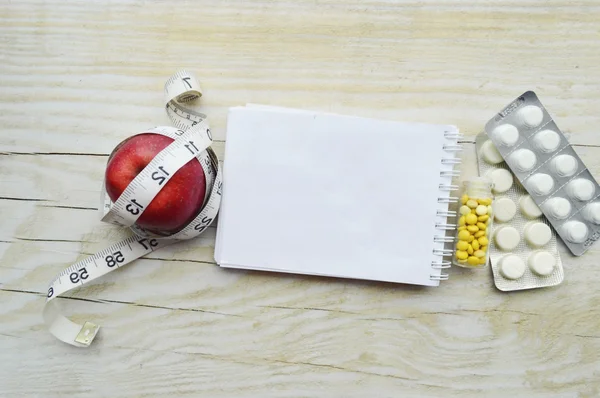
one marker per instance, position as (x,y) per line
(544,162)
(522,249)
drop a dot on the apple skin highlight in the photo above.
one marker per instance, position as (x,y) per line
(177,203)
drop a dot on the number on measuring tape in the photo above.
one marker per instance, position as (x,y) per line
(193,151)
(156,176)
(134,210)
(204,223)
(188,144)
(79,275)
(114,259)
(148,244)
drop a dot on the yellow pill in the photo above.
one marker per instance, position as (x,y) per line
(473,211)
(472,228)
(482,241)
(479,234)
(472,203)
(479,253)
(481,210)
(490,210)
(485,201)
(475,244)
(472,260)
(483,218)
(461,221)
(470,250)
(464,210)
(482,260)
(462,228)
(483,248)
(462,245)
(461,255)
(462,261)
(470,238)
(464,199)
(481,226)
(471,219)
(465,235)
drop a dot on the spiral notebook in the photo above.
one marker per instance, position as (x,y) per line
(334,195)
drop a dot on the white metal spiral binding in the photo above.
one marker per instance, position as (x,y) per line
(455,136)
(442,252)
(445,213)
(452,135)
(453,148)
(450,199)
(445,226)
(450,173)
(451,161)
(447,187)
(444,264)
(443,239)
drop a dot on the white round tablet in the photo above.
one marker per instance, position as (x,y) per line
(522,159)
(592,212)
(507,238)
(575,231)
(504,209)
(490,154)
(581,189)
(564,165)
(502,180)
(528,207)
(506,134)
(512,267)
(537,234)
(541,263)
(558,208)
(547,141)
(531,116)
(539,184)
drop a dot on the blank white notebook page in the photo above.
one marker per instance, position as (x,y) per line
(330,195)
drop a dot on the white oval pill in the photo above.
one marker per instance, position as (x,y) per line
(531,116)
(506,134)
(540,184)
(547,141)
(490,154)
(512,267)
(507,238)
(504,209)
(558,208)
(522,159)
(537,234)
(528,207)
(502,180)
(541,263)
(575,231)
(592,212)
(581,189)
(564,165)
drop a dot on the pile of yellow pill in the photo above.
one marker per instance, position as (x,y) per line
(475,217)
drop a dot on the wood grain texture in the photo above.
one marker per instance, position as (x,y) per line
(76,79)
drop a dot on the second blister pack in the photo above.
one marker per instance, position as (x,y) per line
(522,250)
(542,159)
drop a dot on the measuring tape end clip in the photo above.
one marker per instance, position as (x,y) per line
(87,333)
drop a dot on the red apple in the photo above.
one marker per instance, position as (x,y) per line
(177,203)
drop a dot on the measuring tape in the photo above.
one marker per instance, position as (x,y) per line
(192,139)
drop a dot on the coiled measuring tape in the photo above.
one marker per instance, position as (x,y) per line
(192,139)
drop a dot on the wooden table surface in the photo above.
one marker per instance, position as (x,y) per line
(78,77)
